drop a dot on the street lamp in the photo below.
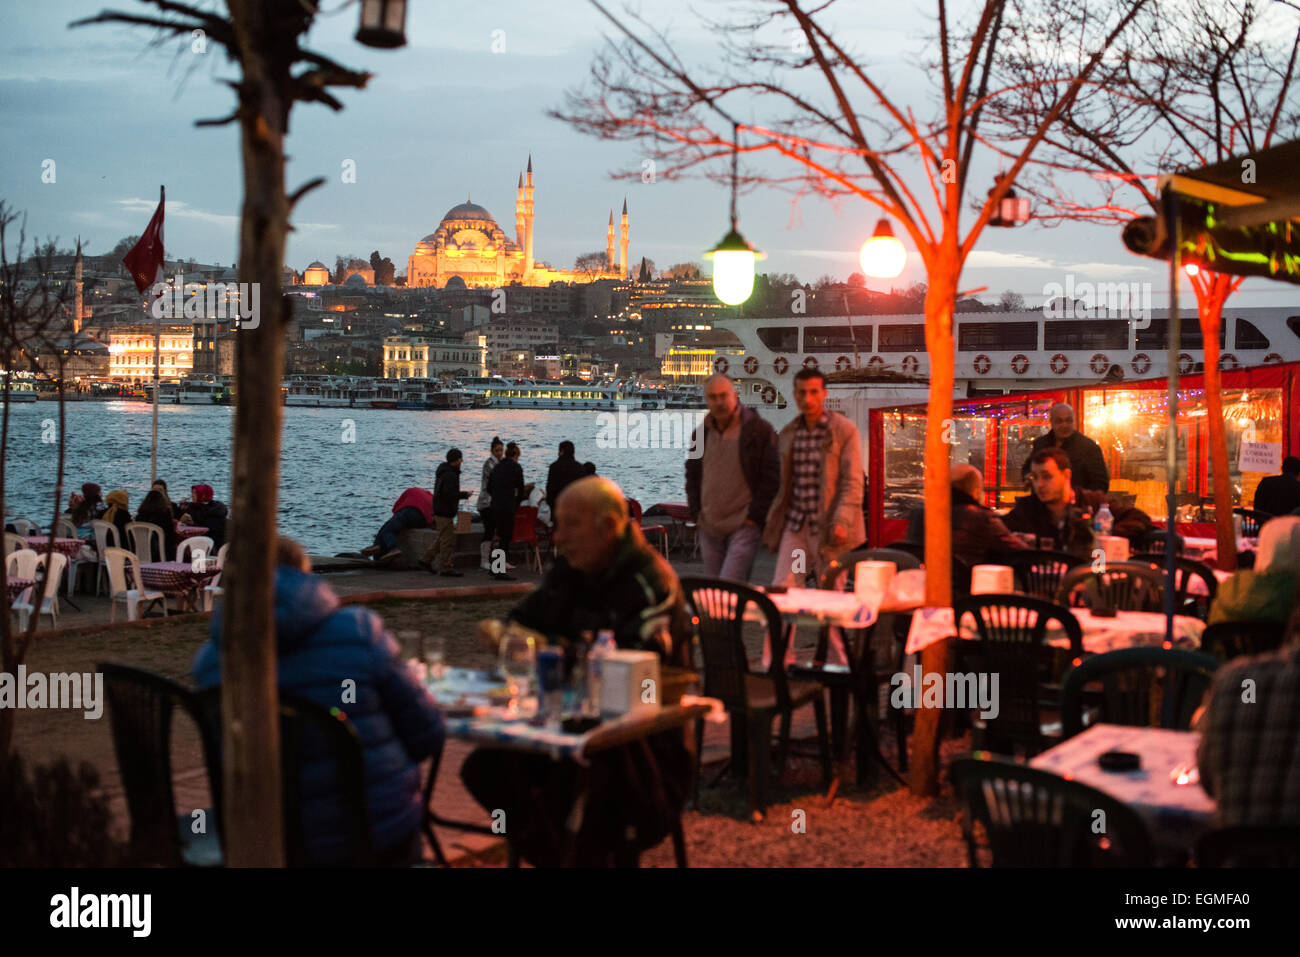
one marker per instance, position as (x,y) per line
(882,256)
(383,24)
(733,258)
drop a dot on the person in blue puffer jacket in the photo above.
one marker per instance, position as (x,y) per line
(320,645)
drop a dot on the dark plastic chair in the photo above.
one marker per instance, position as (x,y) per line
(1250,847)
(1125,586)
(140,709)
(960,570)
(1251,520)
(752,699)
(1034,818)
(1188,569)
(1011,643)
(1156,541)
(1039,571)
(1146,686)
(1228,639)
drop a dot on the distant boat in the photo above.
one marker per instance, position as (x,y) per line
(21,392)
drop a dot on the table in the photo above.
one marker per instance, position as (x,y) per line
(17,586)
(1207,549)
(1175,815)
(492,725)
(678,513)
(1126,630)
(189,531)
(176,578)
(70,547)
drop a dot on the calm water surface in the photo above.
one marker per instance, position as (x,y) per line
(334,493)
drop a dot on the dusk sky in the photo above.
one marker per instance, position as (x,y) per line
(442,118)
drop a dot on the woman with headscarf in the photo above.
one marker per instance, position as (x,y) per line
(86,507)
(203,509)
(155,511)
(119,513)
(1270,591)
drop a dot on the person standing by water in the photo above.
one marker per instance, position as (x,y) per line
(565,470)
(484,503)
(441,556)
(506,488)
(731,479)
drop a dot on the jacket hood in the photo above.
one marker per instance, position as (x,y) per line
(444,468)
(302,604)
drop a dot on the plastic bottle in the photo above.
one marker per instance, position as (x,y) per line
(603,646)
(1104,520)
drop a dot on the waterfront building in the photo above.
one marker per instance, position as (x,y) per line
(428,356)
(131,352)
(514,338)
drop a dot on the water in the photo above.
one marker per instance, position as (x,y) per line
(334,494)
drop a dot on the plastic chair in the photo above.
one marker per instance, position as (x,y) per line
(64,528)
(1228,639)
(658,533)
(54,564)
(14,542)
(960,570)
(1250,847)
(1126,586)
(1039,571)
(1011,643)
(213,589)
(525,533)
(140,709)
(24,526)
(105,538)
(201,544)
(117,559)
(1186,570)
(1251,520)
(22,563)
(1156,540)
(140,537)
(752,699)
(1034,818)
(1136,683)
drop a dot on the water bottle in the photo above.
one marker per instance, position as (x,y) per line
(1104,520)
(603,646)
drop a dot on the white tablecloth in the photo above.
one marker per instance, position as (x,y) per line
(1126,630)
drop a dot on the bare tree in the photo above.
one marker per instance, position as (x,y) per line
(264,38)
(831,128)
(1192,84)
(1011,301)
(591,265)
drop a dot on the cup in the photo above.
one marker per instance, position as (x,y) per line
(434,657)
(909,586)
(871,580)
(992,580)
(1115,547)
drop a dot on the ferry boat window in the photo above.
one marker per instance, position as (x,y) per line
(836,338)
(780,338)
(902,338)
(1293,323)
(1249,337)
(1156,335)
(994,336)
(1086,334)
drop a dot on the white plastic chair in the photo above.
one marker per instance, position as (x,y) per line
(22,563)
(116,560)
(198,543)
(140,537)
(14,542)
(55,562)
(213,589)
(25,526)
(105,537)
(65,529)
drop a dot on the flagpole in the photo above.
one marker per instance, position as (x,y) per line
(157,328)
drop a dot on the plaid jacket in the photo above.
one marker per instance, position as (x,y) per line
(1249,755)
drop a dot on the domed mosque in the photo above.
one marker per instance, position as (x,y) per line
(468,245)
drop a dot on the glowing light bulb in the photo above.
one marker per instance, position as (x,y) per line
(882,256)
(1191,269)
(733,268)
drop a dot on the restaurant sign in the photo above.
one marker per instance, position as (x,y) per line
(1260,457)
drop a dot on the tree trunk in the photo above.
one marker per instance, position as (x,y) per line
(249,699)
(940,299)
(1209,307)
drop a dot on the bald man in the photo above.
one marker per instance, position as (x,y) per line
(978,535)
(606,577)
(1087,464)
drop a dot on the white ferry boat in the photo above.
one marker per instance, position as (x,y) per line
(506,393)
(199,392)
(20,391)
(318,392)
(874,361)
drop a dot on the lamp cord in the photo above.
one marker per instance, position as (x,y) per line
(735,166)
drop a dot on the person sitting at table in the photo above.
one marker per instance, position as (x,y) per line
(1062,515)
(155,511)
(342,657)
(119,513)
(161,486)
(1280,494)
(978,535)
(1270,590)
(84,508)
(607,577)
(202,509)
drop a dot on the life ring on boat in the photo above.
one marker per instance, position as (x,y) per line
(720,364)
(751,365)
(1185,363)
(842,363)
(1060,363)
(780,364)
(910,364)
(769,394)
(875,364)
(1099,364)
(810,362)
(982,364)
(1272,359)
(1020,363)
(1228,362)
(1141,363)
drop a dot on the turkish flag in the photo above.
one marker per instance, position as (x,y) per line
(145,260)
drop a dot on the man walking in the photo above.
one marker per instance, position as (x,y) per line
(731,478)
(1087,463)
(441,556)
(817,512)
(563,471)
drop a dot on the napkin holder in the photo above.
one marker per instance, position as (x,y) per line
(623,683)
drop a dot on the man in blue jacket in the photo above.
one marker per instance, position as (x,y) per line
(343,658)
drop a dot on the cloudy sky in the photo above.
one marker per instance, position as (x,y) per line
(454,113)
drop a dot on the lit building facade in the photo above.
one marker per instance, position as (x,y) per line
(427,357)
(130,352)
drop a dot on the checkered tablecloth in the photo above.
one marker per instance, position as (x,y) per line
(16,586)
(65,546)
(174,578)
(189,531)
(1126,630)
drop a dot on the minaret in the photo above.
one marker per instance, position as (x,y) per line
(609,245)
(76,276)
(622,244)
(519,213)
(528,221)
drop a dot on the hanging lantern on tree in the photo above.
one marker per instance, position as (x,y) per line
(383,24)
(1012,210)
(733,258)
(882,256)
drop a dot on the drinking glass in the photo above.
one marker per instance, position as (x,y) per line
(518,661)
(434,656)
